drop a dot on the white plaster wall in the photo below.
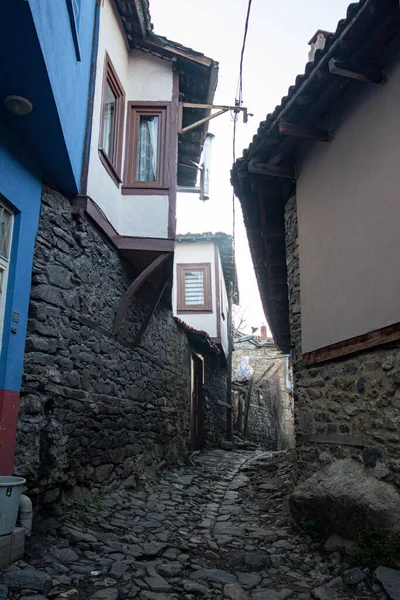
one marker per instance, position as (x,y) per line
(224,309)
(348,204)
(150,78)
(144,78)
(147,216)
(188,253)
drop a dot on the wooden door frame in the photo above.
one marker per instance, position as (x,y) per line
(197,402)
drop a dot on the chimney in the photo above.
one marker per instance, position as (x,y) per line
(317,42)
(263,330)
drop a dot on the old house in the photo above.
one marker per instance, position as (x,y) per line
(44,89)
(318,187)
(263,411)
(205,286)
(107,383)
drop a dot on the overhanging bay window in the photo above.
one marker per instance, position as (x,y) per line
(112,122)
(146,145)
(194,287)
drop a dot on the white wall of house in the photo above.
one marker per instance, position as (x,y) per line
(223,308)
(144,78)
(195,253)
(349,221)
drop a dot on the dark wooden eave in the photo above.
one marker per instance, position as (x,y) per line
(265,177)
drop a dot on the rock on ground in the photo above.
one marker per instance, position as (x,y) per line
(343,497)
(27,579)
(390,579)
(235,592)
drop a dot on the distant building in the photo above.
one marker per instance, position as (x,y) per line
(205,285)
(269,418)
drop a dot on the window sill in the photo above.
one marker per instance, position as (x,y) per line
(194,310)
(109,167)
(145,190)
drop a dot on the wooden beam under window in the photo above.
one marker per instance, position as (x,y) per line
(304,131)
(271,170)
(135,287)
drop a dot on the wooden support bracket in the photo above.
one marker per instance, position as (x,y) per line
(153,307)
(271,170)
(222,109)
(367,73)
(304,132)
(135,287)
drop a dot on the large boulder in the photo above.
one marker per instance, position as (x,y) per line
(343,498)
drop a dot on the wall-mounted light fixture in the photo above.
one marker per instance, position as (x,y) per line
(18,105)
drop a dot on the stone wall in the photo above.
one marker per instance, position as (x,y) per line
(95,409)
(215,391)
(271,409)
(357,395)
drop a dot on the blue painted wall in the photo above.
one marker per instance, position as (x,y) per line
(21,189)
(69,77)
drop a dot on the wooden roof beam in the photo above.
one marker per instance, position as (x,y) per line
(260,168)
(305,132)
(368,73)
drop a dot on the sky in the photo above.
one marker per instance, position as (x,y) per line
(276,51)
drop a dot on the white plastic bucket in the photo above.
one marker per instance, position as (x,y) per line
(10,494)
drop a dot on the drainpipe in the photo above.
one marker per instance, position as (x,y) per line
(229,378)
(25,514)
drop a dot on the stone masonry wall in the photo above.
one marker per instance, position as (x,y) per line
(271,409)
(263,422)
(95,409)
(215,390)
(357,395)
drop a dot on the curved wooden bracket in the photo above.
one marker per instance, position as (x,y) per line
(153,307)
(135,287)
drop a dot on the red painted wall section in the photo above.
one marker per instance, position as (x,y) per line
(9,403)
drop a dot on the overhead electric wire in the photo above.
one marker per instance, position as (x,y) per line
(246,27)
(238,102)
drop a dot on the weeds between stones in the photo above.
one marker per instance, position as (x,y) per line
(84,511)
(308,528)
(374,549)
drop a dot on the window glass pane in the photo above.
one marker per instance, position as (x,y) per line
(5,232)
(147,157)
(110,106)
(194,288)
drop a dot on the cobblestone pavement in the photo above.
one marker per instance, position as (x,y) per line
(215,529)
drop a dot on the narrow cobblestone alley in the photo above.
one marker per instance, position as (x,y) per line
(217,528)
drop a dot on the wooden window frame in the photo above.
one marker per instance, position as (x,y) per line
(180,278)
(74,9)
(135,111)
(113,165)
(5,268)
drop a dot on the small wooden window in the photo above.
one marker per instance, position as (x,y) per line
(74,11)
(112,122)
(194,287)
(146,146)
